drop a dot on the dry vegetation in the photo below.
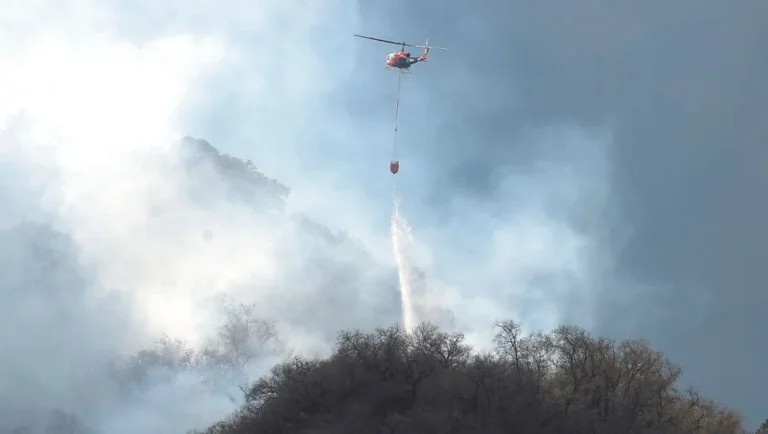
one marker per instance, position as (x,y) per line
(431,381)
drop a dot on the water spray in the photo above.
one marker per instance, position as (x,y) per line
(401,246)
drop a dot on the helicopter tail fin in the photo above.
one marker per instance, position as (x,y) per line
(426,47)
(423,57)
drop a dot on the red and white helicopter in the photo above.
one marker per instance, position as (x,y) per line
(402,60)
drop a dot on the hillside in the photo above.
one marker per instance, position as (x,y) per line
(433,382)
(59,376)
(565,381)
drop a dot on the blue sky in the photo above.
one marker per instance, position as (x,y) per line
(580,162)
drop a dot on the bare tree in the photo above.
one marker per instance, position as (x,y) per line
(243,337)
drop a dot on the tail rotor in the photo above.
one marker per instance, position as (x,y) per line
(426,48)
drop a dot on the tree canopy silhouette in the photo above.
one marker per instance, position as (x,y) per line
(430,381)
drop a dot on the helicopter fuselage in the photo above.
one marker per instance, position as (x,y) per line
(401,60)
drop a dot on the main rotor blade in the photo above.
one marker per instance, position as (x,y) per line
(386,41)
(430,47)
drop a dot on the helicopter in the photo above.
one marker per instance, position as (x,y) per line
(402,60)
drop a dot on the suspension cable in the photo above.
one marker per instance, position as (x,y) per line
(397,117)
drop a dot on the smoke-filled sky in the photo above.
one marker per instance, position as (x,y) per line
(596,163)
